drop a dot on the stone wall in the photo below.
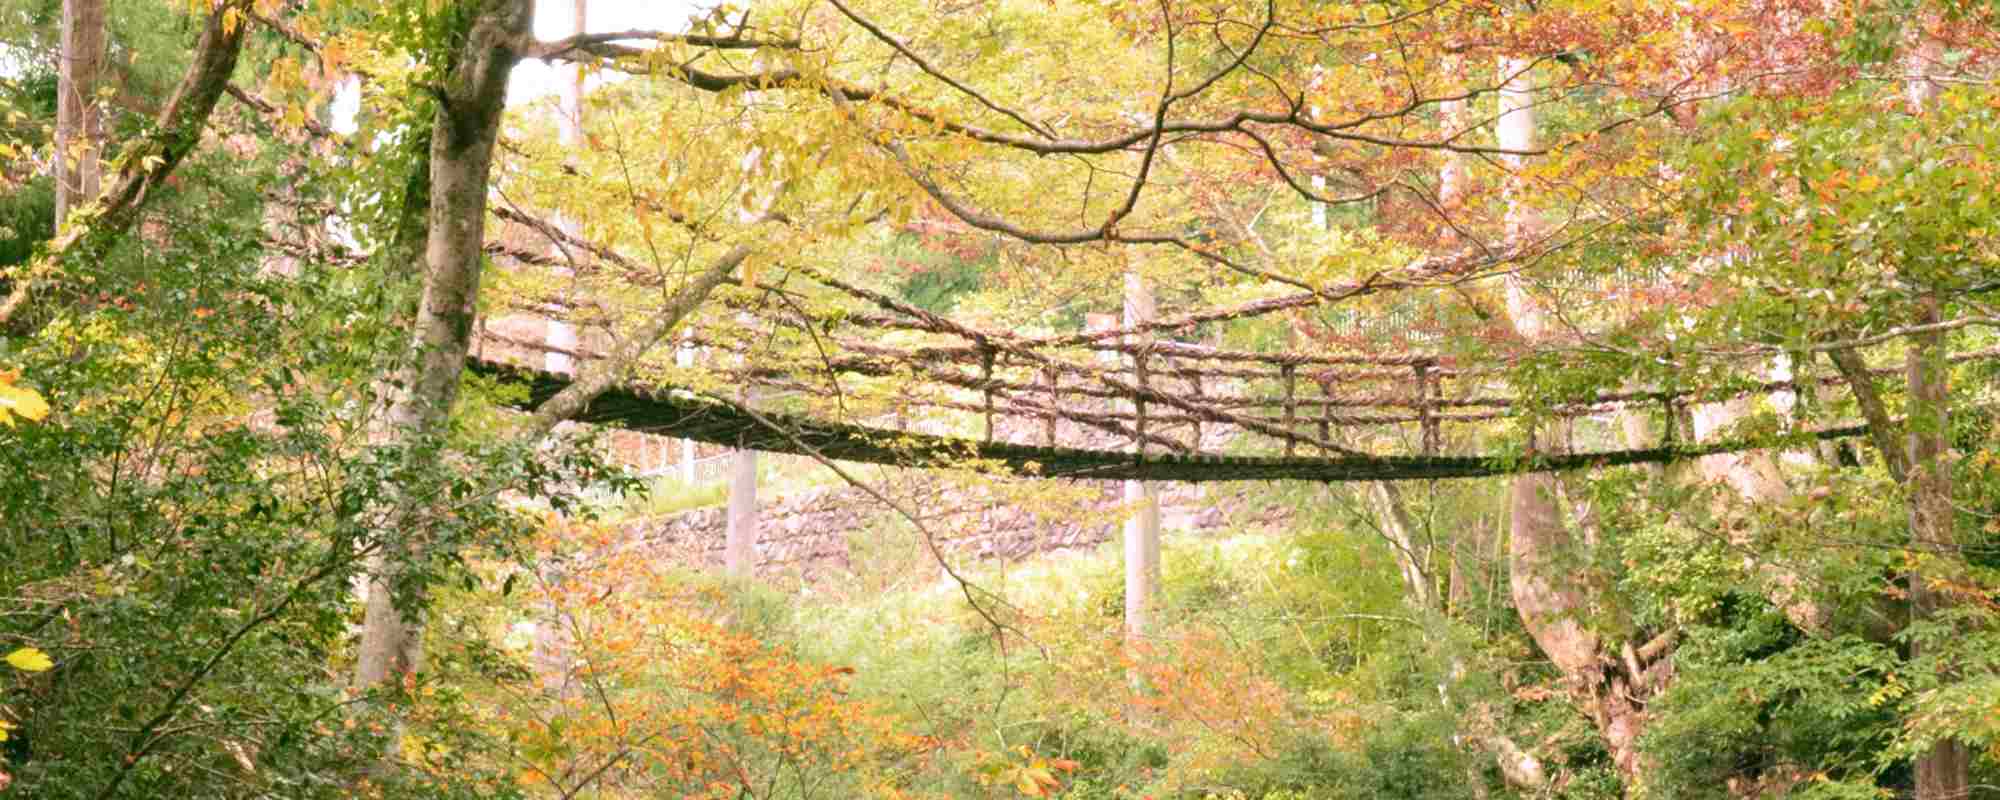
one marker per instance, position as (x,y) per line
(812,532)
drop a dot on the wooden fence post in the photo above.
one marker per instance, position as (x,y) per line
(986,386)
(1326,415)
(1427,421)
(1055,402)
(1194,379)
(1291,408)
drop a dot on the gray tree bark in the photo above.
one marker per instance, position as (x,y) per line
(1755,477)
(464,130)
(79,123)
(1392,517)
(176,132)
(601,375)
(1550,593)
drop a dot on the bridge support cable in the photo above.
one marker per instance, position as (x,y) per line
(724,423)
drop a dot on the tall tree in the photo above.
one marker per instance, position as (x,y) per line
(464,132)
(79,120)
(1944,770)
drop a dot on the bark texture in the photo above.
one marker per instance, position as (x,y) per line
(594,379)
(79,124)
(175,133)
(1392,517)
(1754,477)
(1553,596)
(1945,770)
(464,130)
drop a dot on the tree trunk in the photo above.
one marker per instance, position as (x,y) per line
(1392,516)
(1550,593)
(175,133)
(463,133)
(1945,770)
(1755,477)
(1451,176)
(79,124)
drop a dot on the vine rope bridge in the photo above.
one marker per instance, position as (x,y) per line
(1144,408)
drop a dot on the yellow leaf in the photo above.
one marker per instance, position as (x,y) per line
(16,401)
(5,726)
(30,659)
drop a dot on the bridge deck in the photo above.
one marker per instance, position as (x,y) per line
(719,422)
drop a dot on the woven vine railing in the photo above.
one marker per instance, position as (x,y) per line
(1147,407)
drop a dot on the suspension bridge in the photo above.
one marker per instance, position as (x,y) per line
(1155,409)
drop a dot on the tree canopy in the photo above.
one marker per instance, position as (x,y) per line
(1696,298)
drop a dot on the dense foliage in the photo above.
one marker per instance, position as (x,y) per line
(261,536)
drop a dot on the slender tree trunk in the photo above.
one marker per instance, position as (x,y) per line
(1392,516)
(1943,772)
(1451,176)
(465,127)
(175,133)
(79,124)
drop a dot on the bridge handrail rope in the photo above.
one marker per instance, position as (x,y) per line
(1178,392)
(1003,398)
(719,420)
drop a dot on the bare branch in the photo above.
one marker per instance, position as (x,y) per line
(606,45)
(892,41)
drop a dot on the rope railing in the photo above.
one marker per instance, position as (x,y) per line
(1176,397)
(719,420)
(1009,388)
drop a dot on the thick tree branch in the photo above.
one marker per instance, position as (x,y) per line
(599,377)
(148,162)
(1881,429)
(606,45)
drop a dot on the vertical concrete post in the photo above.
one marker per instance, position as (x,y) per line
(739,549)
(560,335)
(1142,527)
(684,358)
